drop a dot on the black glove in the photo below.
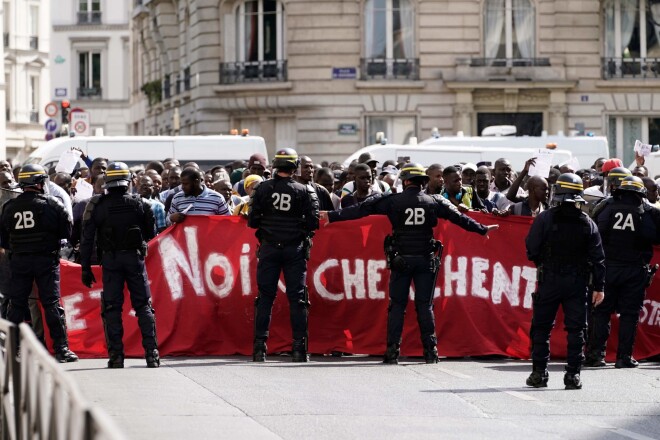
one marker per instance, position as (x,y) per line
(88,277)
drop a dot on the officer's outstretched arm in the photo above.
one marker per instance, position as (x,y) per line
(375,204)
(445,209)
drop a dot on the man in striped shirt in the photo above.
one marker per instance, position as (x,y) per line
(195,198)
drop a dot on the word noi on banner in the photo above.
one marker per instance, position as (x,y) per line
(360,279)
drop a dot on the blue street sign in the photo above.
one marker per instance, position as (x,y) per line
(344,73)
(51,125)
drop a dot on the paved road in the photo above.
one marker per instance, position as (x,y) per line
(359,398)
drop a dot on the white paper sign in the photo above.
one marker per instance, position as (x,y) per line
(84,191)
(543,163)
(642,149)
(68,160)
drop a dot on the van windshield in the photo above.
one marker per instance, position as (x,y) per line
(32,159)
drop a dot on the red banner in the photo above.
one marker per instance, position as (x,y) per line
(202,275)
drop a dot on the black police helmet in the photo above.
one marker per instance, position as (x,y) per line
(117,174)
(633,184)
(31,175)
(616,176)
(568,189)
(414,172)
(286,158)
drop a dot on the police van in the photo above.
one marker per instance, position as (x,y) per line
(447,155)
(586,149)
(206,151)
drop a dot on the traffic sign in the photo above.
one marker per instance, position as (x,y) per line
(51,125)
(50,136)
(75,110)
(51,109)
(80,123)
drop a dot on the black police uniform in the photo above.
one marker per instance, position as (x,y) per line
(285,214)
(565,245)
(33,225)
(413,215)
(629,229)
(122,224)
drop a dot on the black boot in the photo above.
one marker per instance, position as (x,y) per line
(538,379)
(431,355)
(64,355)
(594,359)
(259,351)
(153,358)
(572,381)
(116,360)
(391,355)
(299,351)
(626,362)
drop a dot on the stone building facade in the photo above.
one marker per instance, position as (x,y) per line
(25,76)
(90,60)
(325,76)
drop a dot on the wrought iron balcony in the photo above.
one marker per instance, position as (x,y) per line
(89,17)
(90,92)
(509,62)
(253,71)
(630,68)
(389,69)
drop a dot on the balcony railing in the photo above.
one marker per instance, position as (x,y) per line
(389,69)
(34,116)
(90,92)
(89,17)
(5,39)
(630,68)
(253,71)
(34,43)
(509,62)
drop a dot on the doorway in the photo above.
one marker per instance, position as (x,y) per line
(527,124)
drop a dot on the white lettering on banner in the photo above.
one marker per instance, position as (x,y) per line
(176,261)
(373,278)
(479,268)
(460,276)
(651,317)
(355,279)
(219,260)
(502,284)
(318,285)
(246,284)
(72,312)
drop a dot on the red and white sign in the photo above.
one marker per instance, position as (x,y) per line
(203,281)
(80,123)
(51,109)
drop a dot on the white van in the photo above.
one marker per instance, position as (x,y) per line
(585,148)
(207,151)
(450,155)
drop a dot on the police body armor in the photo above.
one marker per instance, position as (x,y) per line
(283,220)
(34,224)
(567,247)
(413,219)
(624,240)
(121,227)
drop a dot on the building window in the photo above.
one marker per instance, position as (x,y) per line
(5,19)
(509,30)
(89,11)
(34,99)
(34,27)
(632,38)
(8,89)
(623,131)
(89,69)
(259,44)
(396,129)
(389,40)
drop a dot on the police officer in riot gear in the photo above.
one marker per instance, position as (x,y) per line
(565,246)
(285,214)
(610,184)
(121,223)
(32,226)
(411,252)
(629,229)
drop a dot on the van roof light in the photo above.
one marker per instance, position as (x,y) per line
(435,133)
(379,137)
(245,132)
(233,132)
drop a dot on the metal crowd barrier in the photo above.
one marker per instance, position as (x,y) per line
(39,399)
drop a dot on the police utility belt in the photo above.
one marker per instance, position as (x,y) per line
(397,262)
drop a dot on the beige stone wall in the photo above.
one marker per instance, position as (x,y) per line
(320,35)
